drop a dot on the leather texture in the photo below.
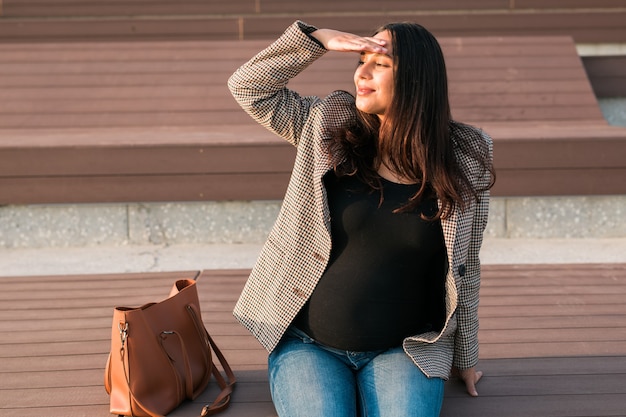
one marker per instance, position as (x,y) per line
(161,355)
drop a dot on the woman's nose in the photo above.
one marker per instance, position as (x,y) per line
(363,71)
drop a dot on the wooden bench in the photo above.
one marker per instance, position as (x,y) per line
(153,121)
(591,21)
(553,342)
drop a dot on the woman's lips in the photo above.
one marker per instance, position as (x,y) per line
(364,91)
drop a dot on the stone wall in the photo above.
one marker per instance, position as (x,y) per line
(250,221)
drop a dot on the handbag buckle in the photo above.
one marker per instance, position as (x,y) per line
(123,332)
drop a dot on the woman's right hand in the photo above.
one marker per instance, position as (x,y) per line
(334,40)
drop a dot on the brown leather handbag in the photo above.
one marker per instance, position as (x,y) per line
(161,355)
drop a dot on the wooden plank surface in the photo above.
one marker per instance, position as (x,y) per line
(585,26)
(77,8)
(154,121)
(184,83)
(46,20)
(553,341)
(35,8)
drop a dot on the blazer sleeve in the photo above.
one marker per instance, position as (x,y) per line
(260,85)
(466,337)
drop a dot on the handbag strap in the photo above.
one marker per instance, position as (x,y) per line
(226,384)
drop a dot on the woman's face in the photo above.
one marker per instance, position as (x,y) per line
(373,79)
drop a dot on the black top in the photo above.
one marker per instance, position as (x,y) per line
(385,278)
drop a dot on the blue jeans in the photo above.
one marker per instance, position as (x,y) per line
(308,379)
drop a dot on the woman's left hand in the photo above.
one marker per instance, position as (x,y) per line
(470,377)
(335,40)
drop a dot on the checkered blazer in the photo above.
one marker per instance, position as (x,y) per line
(297,249)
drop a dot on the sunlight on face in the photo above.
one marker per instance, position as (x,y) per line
(373,79)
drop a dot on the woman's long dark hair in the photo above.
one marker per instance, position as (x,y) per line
(416,131)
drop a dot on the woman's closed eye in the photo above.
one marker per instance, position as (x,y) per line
(381,63)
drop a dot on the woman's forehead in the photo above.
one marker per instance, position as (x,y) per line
(386,35)
(383,35)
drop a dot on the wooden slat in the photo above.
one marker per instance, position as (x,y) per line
(302,6)
(37,8)
(603,26)
(191,160)
(517,182)
(23,8)
(556,4)
(119,29)
(511,182)
(588,23)
(535,45)
(147,113)
(145,188)
(550,345)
